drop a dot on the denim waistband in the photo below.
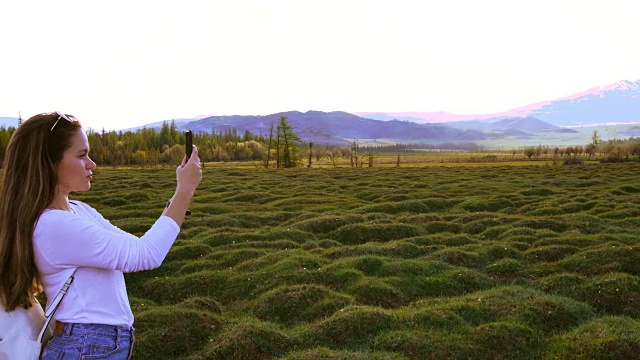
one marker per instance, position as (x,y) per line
(97,329)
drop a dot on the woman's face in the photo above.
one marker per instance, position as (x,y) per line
(74,170)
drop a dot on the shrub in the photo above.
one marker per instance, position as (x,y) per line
(613,158)
(572,161)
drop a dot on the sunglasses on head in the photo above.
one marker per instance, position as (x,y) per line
(69,118)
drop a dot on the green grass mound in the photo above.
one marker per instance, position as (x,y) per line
(427,345)
(507,267)
(298,304)
(171,290)
(324,353)
(506,340)
(171,332)
(460,257)
(541,191)
(532,308)
(609,257)
(327,223)
(446,239)
(431,319)
(601,338)
(550,253)
(187,252)
(351,327)
(543,223)
(376,292)
(435,227)
(246,340)
(405,249)
(561,284)
(361,233)
(233,257)
(452,282)
(484,204)
(201,303)
(613,293)
(410,206)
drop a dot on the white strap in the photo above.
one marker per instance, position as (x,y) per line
(54,306)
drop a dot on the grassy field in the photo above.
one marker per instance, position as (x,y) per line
(433,262)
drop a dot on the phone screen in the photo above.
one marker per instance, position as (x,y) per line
(189,144)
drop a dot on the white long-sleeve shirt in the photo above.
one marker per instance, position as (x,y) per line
(64,241)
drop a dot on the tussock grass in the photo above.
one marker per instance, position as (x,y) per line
(248,339)
(363,233)
(496,262)
(324,353)
(172,332)
(354,326)
(601,338)
(327,223)
(290,305)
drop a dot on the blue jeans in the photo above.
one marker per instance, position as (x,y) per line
(90,341)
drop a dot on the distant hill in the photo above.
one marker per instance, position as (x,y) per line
(618,102)
(514,127)
(527,124)
(8,121)
(336,127)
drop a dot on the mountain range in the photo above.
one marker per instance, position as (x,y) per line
(618,102)
(613,110)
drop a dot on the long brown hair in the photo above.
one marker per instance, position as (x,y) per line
(27,188)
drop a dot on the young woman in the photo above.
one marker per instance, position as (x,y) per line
(45,237)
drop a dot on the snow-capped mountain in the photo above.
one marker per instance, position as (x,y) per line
(614,103)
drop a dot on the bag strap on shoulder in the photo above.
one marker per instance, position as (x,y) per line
(54,305)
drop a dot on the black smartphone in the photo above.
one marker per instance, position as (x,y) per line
(189,145)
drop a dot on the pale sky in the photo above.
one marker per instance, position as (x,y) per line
(123,63)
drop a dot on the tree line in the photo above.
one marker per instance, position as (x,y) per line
(283,148)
